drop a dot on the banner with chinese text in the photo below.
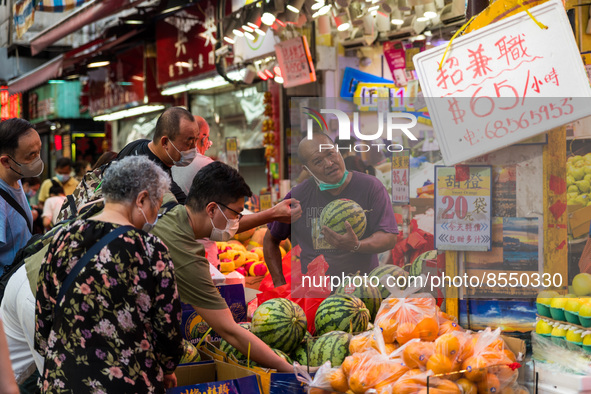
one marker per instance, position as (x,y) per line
(401,177)
(463,208)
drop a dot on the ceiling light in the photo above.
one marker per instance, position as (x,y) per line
(262,75)
(268,18)
(253,25)
(238,33)
(260,31)
(73,76)
(247,28)
(126,113)
(322,11)
(229,40)
(133,22)
(430,11)
(174,5)
(54,81)
(317,5)
(249,36)
(98,63)
(428,33)
(278,79)
(205,84)
(277,70)
(396,17)
(342,21)
(295,6)
(292,9)
(420,13)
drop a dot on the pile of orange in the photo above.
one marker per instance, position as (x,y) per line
(433,345)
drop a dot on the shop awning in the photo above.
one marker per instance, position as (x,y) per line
(49,70)
(53,68)
(88,13)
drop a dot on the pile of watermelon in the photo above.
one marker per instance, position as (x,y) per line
(282,324)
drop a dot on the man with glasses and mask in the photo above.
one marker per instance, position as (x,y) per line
(174,144)
(20,149)
(329,180)
(213,209)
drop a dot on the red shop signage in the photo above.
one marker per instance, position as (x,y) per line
(118,85)
(185,42)
(10,105)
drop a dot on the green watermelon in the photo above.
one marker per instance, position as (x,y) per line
(199,329)
(231,350)
(333,346)
(416,268)
(282,355)
(341,312)
(280,323)
(300,354)
(190,354)
(384,270)
(337,212)
(371,296)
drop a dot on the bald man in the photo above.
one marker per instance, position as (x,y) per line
(329,181)
(173,145)
(183,176)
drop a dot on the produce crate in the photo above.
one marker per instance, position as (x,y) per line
(217,377)
(194,327)
(579,220)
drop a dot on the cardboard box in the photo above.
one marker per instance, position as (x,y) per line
(579,220)
(194,327)
(206,358)
(273,382)
(218,377)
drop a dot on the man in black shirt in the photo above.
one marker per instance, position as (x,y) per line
(174,144)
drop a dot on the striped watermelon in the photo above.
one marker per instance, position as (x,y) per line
(341,312)
(384,270)
(332,346)
(280,323)
(338,211)
(300,354)
(283,355)
(371,296)
(231,350)
(416,268)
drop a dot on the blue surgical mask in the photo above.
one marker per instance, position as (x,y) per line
(63,178)
(328,186)
(31,193)
(147,227)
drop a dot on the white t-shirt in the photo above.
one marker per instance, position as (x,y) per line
(51,208)
(183,176)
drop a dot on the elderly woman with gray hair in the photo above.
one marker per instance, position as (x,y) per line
(112,325)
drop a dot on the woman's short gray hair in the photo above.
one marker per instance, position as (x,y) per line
(126,178)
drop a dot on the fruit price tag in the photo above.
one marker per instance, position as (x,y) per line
(504,83)
(232,152)
(463,208)
(400,177)
(266,201)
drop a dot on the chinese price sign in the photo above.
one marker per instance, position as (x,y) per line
(295,62)
(232,152)
(266,201)
(463,208)
(504,83)
(401,177)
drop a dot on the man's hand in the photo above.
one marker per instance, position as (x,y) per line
(170,381)
(287,211)
(347,241)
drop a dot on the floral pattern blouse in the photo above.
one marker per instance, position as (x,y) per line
(119,327)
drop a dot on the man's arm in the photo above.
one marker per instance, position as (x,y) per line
(287,211)
(222,322)
(378,242)
(273,259)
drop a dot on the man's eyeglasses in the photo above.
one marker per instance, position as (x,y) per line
(238,214)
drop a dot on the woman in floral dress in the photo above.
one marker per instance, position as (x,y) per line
(118,329)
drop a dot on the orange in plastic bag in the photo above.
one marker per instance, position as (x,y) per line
(338,380)
(416,354)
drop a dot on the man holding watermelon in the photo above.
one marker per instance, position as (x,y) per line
(347,216)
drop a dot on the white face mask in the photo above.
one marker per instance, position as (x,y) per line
(227,233)
(186,156)
(147,227)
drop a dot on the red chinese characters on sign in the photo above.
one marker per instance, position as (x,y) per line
(119,85)
(185,42)
(4,102)
(295,62)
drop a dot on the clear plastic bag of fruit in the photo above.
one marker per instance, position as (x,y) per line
(408,314)
(320,379)
(488,363)
(447,323)
(415,381)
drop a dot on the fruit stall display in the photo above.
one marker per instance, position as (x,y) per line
(578,180)
(410,340)
(244,253)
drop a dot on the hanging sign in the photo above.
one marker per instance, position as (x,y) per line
(504,83)
(232,152)
(295,62)
(463,208)
(266,201)
(401,177)
(396,59)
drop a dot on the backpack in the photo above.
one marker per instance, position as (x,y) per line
(88,190)
(37,243)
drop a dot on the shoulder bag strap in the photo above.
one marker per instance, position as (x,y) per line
(93,251)
(17,207)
